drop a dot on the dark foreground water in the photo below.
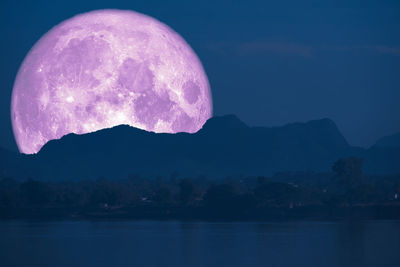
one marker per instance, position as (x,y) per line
(191,244)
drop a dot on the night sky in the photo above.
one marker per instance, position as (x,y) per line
(270,64)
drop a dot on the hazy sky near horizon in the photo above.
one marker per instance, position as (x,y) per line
(268,63)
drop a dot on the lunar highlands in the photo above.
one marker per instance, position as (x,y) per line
(105,68)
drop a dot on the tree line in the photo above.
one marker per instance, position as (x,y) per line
(344,192)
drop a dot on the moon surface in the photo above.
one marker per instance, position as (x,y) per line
(105,68)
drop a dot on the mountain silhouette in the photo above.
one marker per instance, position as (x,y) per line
(224,146)
(389,141)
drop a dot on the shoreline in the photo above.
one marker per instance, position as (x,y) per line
(277,214)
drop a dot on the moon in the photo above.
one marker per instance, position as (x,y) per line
(105,68)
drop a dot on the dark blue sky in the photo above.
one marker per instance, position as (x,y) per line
(268,63)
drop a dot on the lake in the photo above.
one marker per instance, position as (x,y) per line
(191,244)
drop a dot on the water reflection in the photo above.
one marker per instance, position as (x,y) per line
(149,243)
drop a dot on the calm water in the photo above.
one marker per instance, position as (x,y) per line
(199,244)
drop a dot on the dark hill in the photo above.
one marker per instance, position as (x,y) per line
(224,146)
(389,141)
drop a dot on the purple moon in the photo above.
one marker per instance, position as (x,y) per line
(105,68)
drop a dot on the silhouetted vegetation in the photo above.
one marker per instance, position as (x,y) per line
(344,193)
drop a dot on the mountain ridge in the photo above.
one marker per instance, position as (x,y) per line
(392,140)
(224,146)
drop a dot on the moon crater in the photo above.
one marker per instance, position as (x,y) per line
(105,68)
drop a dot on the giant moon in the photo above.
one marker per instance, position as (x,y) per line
(105,68)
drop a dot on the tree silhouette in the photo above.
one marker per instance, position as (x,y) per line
(348,174)
(187,191)
(349,171)
(35,192)
(163,195)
